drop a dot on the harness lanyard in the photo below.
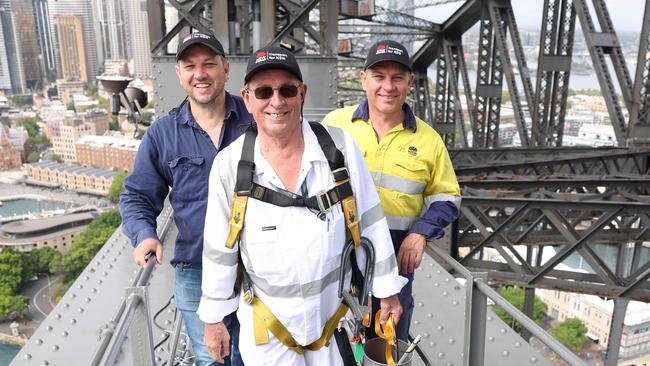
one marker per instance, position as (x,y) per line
(387,333)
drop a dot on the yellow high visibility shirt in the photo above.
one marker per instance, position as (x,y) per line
(410,166)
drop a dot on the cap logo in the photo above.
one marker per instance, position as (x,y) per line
(277,56)
(381,49)
(260,57)
(195,35)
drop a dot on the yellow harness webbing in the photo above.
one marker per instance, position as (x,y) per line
(264,321)
(236,222)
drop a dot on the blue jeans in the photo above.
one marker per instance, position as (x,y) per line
(187,293)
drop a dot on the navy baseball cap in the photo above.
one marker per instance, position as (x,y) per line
(388,50)
(272,57)
(205,39)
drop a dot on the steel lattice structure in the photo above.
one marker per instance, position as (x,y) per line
(518,203)
(524,211)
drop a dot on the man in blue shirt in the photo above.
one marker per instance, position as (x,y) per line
(177,151)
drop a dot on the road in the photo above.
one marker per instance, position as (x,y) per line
(40,299)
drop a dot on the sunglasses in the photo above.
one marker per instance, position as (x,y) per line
(266,92)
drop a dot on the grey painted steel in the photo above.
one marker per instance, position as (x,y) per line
(616,330)
(553,71)
(319,73)
(640,108)
(173,342)
(502,19)
(476,305)
(440,301)
(70,335)
(529,302)
(598,53)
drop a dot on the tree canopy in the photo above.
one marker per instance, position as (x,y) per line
(515,295)
(571,333)
(117,187)
(86,245)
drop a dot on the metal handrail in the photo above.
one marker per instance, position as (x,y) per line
(118,326)
(478,281)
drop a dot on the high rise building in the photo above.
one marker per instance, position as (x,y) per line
(16,74)
(90,28)
(45,38)
(5,78)
(113,28)
(72,47)
(138,37)
(31,71)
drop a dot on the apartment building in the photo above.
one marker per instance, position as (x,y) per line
(69,132)
(107,152)
(70,176)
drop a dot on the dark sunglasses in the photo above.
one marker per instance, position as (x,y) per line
(266,92)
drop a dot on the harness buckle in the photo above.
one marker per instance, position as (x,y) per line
(323,201)
(248,295)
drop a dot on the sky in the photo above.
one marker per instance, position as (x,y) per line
(626,14)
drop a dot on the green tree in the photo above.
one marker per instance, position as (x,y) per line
(38,261)
(515,296)
(70,106)
(21,100)
(117,187)
(109,219)
(11,268)
(57,158)
(30,125)
(86,245)
(570,333)
(33,157)
(11,303)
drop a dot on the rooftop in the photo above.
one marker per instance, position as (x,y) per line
(109,140)
(74,169)
(35,225)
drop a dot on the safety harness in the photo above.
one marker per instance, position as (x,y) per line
(263,319)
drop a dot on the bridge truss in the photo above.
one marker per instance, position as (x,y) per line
(526,210)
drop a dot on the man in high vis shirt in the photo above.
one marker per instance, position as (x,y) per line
(177,151)
(291,255)
(409,163)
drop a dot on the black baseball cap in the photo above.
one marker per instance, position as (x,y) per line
(388,50)
(272,57)
(205,39)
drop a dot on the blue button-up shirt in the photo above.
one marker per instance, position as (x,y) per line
(177,153)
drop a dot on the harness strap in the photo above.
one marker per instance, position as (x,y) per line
(245,171)
(336,162)
(264,321)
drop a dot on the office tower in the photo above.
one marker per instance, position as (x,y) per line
(26,45)
(111,19)
(92,38)
(45,38)
(72,47)
(5,78)
(139,37)
(16,74)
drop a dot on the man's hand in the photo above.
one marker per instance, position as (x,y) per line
(149,245)
(410,252)
(390,305)
(217,340)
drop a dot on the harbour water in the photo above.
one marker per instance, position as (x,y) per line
(24,206)
(7,353)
